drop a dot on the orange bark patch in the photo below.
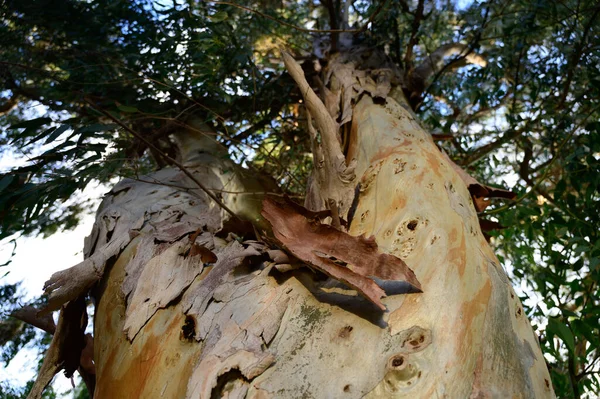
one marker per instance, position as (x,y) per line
(129,371)
(398,202)
(453,235)
(385,152)
(458,254)
(418,179)
(352,141)
(434,163)
(469,311)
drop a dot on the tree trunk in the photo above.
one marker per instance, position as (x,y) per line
(214,316)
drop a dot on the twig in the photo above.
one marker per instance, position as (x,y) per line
(373,16)
(545,174)
(413,35)
(165,156)
(576,57)
(283,22)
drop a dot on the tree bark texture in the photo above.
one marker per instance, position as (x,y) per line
(215,316)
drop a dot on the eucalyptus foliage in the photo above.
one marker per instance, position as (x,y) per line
(74,72)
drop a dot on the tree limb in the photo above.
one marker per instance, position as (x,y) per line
(418,16)
(486,149)
(30,315)
(336,179)
(576,57)
(435,62)
(429,66)
(332,11)
(165,156)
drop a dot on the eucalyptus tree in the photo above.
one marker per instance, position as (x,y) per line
(398,125)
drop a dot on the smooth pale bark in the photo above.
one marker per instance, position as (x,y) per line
(418,208)
(169,325)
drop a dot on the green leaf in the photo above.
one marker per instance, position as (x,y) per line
(33,123)
(594,262)
(562,231)
(219,16)
(41,135)
(587,331)
(6,180)
(60,130)
(127,108)
(31,127)
(563,332)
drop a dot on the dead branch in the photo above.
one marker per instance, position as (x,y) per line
(325,123)
(69,284)
(30,315)
(86,369)
(336,179)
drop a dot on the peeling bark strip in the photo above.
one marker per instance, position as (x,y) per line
(65,350)
(324,247)
(164,278)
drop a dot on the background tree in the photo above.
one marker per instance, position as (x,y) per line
(110,92)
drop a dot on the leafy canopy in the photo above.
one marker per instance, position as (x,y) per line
(529,120)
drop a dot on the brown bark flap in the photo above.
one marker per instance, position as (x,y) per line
(351,260)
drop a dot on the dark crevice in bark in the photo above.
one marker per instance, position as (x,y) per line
(188,330)
(225,383)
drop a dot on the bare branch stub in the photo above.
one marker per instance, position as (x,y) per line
(335,178)
(30,315)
